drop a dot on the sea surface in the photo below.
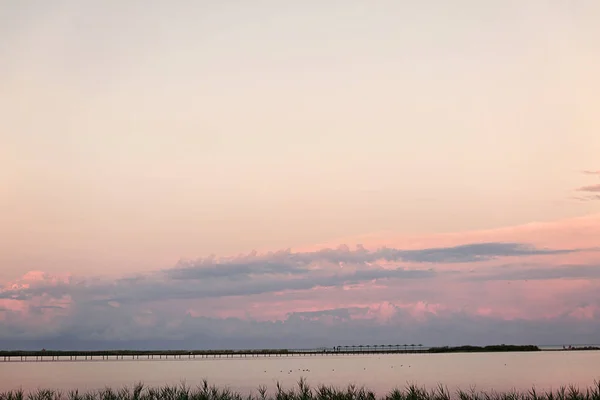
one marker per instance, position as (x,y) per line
(484,371)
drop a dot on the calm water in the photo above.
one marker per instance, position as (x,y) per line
(499,371)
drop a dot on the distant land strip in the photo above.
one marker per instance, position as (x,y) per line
(10,355)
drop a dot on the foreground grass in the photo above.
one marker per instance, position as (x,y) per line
(302,392)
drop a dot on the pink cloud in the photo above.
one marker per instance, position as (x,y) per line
(340,285)
(586,313)
(572,232)
(532,300)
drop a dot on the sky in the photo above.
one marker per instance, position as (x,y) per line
(243,174)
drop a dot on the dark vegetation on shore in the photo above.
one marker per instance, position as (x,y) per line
(302,392)
(482,349)
(583,348)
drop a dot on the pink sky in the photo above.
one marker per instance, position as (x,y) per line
(208,175)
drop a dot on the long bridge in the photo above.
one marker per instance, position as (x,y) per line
(111,355)
(108,355)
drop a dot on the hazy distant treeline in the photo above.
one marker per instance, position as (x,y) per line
(482,349)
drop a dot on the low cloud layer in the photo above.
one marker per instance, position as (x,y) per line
(477,292)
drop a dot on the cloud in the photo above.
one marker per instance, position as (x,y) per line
(161,287)
(431,294)
(593,189)
(570,233)
(256,274)
(590,188)
(336,313)
(288,263)
(513,273)
(299,330)
(474,252)
(588,198)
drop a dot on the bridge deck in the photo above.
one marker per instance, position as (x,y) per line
(23,356)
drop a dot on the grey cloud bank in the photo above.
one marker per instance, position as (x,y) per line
(152,310)
(306,330)
(286,262)
(274,272)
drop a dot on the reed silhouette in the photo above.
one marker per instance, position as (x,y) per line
(303,391)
